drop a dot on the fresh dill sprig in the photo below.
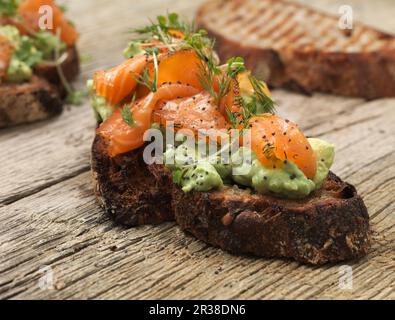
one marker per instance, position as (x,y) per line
(233,119)
(162,28)
(127,115)
(145,78)
(210,71)
(261,102)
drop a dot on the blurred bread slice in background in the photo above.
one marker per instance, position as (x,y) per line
(294,46)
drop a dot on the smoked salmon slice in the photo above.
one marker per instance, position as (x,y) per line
(117,83)
(31,14)
(276,140)
(175,67)
(123,137)
(194,113)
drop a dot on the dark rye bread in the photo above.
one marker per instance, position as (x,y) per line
(41,97)
(330,225)
(130,191)
(296,47)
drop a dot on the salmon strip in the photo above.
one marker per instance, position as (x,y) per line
(117,83)
(122,137)
(175,67)
(195,113)
(275,140)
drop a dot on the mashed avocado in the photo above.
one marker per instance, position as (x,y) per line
(12,34)
(26,53)
(189,173)
(18,71)
(194,173)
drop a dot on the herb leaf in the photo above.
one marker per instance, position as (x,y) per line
(127,115)
(145,78)
(263,103)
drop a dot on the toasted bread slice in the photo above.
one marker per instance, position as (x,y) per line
(294,46)
(330,225)
(41,97)
(131,192)
(28,102)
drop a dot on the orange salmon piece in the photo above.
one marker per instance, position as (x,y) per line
(175,67)
(275,140)
(117,83)
(122,137)
(194,113)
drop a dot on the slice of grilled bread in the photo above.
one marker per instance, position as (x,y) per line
(129,190)
(294,46)
(330,225)
(41,97)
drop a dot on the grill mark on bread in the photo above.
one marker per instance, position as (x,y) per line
(275,24)
(279,23)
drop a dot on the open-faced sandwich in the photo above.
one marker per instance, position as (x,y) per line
(38,58)
(184,137)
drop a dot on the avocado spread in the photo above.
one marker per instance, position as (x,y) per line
(193,172)
(28,51)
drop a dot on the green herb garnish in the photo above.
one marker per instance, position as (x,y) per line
(145,78)
(160,28)
(127,115)
(261,102)
(8,8)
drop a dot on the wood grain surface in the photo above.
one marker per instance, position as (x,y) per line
(50,219)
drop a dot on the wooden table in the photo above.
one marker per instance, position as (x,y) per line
(52,225)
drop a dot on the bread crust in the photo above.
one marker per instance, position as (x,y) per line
(41,97)
(131,192)
(330,225)
(369,74)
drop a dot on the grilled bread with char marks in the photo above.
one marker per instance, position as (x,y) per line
(294,46)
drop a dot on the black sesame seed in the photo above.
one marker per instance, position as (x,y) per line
(292,176)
